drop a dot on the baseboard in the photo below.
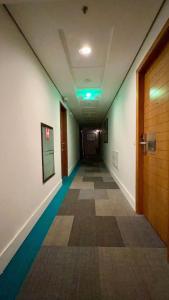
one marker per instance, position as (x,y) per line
(12,247)
(123,188)
(70,170)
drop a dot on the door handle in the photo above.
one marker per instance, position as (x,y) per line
(143,143)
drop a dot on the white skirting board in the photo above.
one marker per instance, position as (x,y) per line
(12,247)
(124,190)
(70,170)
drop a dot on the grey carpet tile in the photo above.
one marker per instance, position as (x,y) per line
(80,172)
(102,174)
(103,168)
(105,185)
(86,194)
(115,194)
(119,277)
(152,266)
(150,256)
(96,174)
(92,169)
(113,207)
(82,185)
(78,178)
(114,255)
(90,163)
(108,179)
(88,174)
(137,232)
(95,231)
(95,194)
(100,194)
(59,232)
(72,194)
(93,179)
(63,273)
(77,208)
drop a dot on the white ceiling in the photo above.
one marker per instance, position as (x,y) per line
(114,29)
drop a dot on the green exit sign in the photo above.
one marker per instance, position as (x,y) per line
(88,94)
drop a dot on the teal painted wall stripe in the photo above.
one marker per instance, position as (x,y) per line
(14,274)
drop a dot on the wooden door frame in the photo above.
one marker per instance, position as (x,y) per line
(150,57)
(63,109)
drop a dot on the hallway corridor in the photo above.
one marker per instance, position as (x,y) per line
(98,248)
(84,127)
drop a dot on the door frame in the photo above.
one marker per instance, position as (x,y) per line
(63,112)
(157,47)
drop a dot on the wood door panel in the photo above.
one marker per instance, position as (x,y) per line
(154,179)
(157,171)
(163,146)
(156,164)
(162,127)
(157,201)
(162,108)
(159,117)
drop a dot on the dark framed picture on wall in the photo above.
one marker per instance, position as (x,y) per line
(47,144)
(105,131)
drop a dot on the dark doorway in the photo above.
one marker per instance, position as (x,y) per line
(63,133)
(90,144)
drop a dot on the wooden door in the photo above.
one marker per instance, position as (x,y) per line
(156,130)
(63,133)
(153,137)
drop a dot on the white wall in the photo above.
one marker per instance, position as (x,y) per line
(27,98)
(122,120)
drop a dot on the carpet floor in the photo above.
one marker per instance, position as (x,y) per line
(98,248)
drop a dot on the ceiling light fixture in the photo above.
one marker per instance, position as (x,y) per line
(85,50)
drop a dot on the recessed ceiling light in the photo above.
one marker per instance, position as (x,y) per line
(85,50)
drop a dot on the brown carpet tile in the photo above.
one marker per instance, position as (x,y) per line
(59,232)
(113,207)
